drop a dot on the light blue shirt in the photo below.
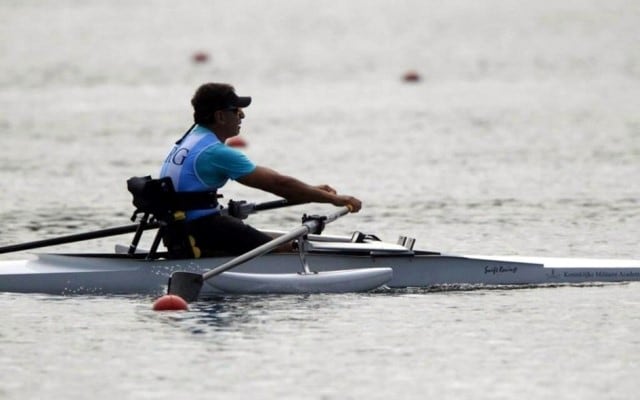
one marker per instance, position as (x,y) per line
(200,162)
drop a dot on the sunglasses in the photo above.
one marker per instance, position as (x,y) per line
(236,110)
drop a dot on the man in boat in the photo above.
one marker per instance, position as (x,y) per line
(201,161)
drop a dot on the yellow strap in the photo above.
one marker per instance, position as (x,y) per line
(195,249)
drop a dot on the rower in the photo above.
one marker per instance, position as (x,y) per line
(201,161)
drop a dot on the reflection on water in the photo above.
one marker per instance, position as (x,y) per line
(243,313)
(250,316)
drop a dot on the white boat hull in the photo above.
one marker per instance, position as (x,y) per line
(120,274)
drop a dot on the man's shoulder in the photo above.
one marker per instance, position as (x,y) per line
(225,157)
(221,150)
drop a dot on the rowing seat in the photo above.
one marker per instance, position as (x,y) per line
(160,204)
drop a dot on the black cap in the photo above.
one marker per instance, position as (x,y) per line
(212,97)
(232,100)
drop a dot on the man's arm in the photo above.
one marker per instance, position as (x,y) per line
(296,191)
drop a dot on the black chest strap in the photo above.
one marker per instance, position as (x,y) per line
(158,197)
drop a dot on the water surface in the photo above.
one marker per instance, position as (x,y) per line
(522,137)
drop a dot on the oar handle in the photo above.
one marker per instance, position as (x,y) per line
(270,205)
(338,214)
(241,209)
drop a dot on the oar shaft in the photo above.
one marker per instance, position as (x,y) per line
(119,230)
(78,237)
(258,251)
(189,284)
(270,205)
(307,227)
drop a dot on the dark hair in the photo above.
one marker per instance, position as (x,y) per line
(209,98)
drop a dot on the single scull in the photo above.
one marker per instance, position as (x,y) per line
(116,273)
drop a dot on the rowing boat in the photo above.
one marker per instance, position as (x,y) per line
(323,263)
(118,273)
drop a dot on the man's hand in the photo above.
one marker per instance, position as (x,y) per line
(327,188)
(354,205)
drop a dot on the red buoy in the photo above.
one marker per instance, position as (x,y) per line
(236,141)
(170,302)
(411,76)
(200,57)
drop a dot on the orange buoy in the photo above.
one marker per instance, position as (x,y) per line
(236,141)
(170,302)
(200,57)
(411,76)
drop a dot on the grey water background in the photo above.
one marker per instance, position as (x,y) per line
(522,137)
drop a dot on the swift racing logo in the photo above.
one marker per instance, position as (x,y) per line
(499,269)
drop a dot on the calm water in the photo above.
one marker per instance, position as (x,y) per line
(523,137)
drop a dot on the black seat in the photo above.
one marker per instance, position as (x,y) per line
(158,202)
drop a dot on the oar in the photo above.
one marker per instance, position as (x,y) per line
(188,284)
(242,208)
(78,237)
